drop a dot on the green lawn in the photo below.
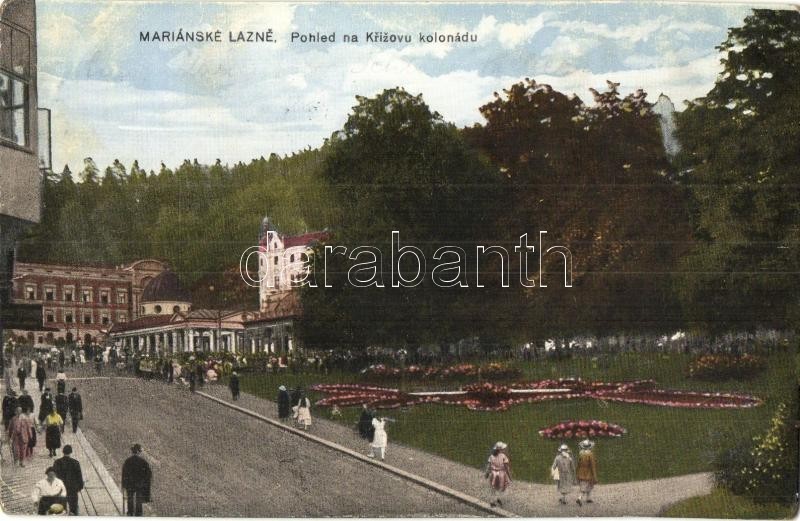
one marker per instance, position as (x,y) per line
(660,442)
(721,504)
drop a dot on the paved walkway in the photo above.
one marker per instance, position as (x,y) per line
(638,498)
(100,496)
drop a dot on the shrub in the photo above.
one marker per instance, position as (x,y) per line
(764,468)
(724,367)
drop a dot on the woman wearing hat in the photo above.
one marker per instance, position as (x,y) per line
(303,413)
(284,403)
(48,492)
(587,471)
(563,470)
(498,470)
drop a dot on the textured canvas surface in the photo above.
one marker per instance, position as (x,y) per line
(399,259)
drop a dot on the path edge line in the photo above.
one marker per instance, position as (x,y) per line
(419,480)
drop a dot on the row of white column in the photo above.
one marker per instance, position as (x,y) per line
(183,341)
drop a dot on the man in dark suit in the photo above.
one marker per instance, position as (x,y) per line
(68,470)
(62,406)
(26,402)
(41,374)
(136,477)
(22,374)
(10,404)
(75,408)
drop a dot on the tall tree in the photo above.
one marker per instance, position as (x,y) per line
(593,177)
(397,165)
(743,142)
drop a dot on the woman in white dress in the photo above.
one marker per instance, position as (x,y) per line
(303,414)
(380,439)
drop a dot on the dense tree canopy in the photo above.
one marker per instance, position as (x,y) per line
(198,218)
(397,166)
(709,239)
(593,177)
(742,145)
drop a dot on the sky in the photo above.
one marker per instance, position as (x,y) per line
(113,96)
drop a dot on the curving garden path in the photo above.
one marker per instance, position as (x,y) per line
(209,459)
(636,498)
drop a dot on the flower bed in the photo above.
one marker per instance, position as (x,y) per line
(583,429)
(493,371)
(725,367)
(487,396)
(683,399)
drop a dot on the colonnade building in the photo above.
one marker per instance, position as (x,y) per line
(167,324)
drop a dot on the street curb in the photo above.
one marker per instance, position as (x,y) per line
(100,469)
(431,485)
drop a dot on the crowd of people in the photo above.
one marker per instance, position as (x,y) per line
(566,472)
(24,428)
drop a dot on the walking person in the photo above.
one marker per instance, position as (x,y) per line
(380,439)
(234,385)
(26,402)
(75,404)
(136,478)
(201,375)
(61,359)
(586,471)
(22,374)
(32,438)
(62,407)
(563,471)
(365,428)
(20,434)
(498,471)
(41,375)
(68,470)
(48,492)
(284,405)
(61,382)
(46,406)
(10,404)
(52,433)
(303,413)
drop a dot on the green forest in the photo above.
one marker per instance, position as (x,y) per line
(707,239)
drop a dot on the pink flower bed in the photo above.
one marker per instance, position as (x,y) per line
(487,396)
(583,429)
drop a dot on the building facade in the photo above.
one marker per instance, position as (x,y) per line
(282,260)
(81,303)
(282,268)
(167,324)
(20,177)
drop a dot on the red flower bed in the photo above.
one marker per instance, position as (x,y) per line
(683,399)
(583,429)
(487,396)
